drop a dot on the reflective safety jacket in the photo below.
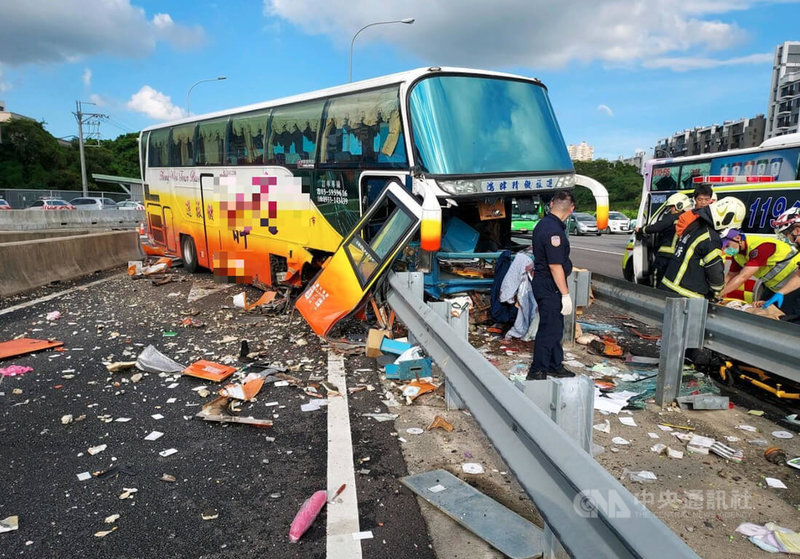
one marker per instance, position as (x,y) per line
(664,231)
(696,269)
(779,267)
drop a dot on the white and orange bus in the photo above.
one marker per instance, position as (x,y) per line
(343,178)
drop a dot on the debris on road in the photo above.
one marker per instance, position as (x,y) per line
(14,371)
(306,515)
(9,524)
(771,537)
(153,361)
(22,346)
(208,370)
(440,422)
(216,410)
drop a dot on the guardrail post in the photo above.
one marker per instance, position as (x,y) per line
(684,328)
(416,287)
(460,325)
(578,282)
(569,402)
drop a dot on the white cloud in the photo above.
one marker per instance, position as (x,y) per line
(531,34)
(605,109)
(99,100)
(46,31)
(154,104)
(700,63)
(4,86)
(87,77)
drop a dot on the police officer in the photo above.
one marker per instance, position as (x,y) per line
(551,266)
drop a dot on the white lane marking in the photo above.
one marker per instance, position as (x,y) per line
(55,295)
(343,512)
(597,250)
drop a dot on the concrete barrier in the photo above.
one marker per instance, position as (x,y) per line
(25,265)
(15,236)
(35,220)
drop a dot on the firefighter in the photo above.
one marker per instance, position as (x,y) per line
(697,270)
(766,258)
(663,231)
(787,297)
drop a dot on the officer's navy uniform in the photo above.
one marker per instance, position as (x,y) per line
(550,246)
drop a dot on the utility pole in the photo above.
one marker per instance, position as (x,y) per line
(91,119)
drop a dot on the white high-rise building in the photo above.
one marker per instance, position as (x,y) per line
(784,92)
(581,152)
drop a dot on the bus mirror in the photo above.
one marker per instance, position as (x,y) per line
(430,230)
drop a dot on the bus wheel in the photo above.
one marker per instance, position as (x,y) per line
(189,254)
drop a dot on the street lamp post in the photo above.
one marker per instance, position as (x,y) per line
(188,93)
(408,20)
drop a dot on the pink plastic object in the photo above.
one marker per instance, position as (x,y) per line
(14,370)
(306,515)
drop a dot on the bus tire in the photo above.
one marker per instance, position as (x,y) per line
(188,254)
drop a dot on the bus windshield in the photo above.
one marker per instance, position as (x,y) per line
(466,125)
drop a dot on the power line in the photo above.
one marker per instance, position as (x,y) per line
(92,120)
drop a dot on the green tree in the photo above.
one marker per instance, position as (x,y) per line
(623,182)
(30,157)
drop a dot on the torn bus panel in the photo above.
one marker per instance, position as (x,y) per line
(364,255)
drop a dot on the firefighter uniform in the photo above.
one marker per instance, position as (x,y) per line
(697,269)
(665,240)
(550,246)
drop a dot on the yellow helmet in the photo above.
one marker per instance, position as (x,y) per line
(680,201)
(727,213)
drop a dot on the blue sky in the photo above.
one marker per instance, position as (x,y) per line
(621,73)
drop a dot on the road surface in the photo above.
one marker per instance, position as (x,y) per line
(601,254)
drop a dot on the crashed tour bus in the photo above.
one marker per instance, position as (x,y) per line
(765,178)
(327,187)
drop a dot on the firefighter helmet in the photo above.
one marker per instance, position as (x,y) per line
(680,201)
(727,213)
(785,222)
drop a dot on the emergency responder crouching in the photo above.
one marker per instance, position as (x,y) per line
(787,297)
(551,266)
(664,231)
(755,256)
(696,269)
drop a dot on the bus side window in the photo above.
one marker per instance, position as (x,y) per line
(210,141)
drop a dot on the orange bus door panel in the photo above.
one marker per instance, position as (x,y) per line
(351,272)
(22,346)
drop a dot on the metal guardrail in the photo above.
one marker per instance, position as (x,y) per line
(589,511)
(768,344)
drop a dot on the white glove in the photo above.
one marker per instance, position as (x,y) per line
(566,304)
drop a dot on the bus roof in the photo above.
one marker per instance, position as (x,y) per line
(400,77)
(787,140)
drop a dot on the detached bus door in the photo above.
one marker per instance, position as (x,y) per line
(363,256)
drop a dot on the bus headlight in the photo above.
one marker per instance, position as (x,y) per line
(461,186)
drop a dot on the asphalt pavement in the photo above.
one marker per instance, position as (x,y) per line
(598,253)
(237,487)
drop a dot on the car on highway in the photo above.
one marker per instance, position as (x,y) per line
(523,223)
(618,223)
(4,205)
(51,204)
(130,205)
(92,203)
(581,223)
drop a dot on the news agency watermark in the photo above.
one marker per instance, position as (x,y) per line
(592,503)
